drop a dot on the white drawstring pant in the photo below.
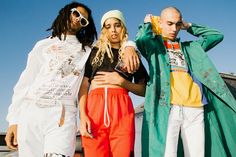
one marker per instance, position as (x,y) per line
(189,122)
(39,132)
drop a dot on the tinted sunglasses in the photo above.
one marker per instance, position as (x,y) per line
(83,21)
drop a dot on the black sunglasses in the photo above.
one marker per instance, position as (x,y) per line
(83,21)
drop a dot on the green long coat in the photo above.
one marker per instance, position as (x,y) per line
(220,113)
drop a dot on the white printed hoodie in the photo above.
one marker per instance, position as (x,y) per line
(54,71)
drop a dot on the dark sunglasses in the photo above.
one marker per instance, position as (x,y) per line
(83,21)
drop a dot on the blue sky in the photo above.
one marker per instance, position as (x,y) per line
(24,22)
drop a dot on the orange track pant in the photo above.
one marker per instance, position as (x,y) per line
(112,120)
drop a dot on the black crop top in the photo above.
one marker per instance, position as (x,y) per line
(140,75)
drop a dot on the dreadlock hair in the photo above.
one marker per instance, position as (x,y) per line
(86,35)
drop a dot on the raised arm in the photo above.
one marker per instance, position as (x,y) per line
(208,37)
(145,39)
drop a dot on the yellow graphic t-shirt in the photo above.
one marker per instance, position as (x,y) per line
(185,90)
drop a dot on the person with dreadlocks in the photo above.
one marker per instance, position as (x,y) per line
(42,116)
(106,112)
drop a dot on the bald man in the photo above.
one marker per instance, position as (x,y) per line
(185,96)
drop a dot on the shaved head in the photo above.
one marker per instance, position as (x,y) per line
(169,10)
(170,22)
